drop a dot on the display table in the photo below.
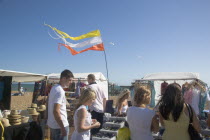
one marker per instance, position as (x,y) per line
(205,132)
(25,131)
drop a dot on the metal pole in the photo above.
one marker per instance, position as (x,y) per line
(107,73)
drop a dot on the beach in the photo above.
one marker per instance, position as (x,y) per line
(21,102)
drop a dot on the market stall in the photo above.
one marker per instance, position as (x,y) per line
(23,123)
(73,92)
(193,90)
(82,78)
(168,77)
(6,79)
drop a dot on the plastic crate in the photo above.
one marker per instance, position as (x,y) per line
(117,118)
(115,131)
(205,132)
(104,138)
(120,125)
(97,138)
(111,121)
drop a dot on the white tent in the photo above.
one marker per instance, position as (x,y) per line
(100,79)
(169,77)
(22,76)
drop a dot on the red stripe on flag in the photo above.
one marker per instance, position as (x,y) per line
(98,47)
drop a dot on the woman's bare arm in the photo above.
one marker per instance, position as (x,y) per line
(81,114)
(155,124)
(161,119)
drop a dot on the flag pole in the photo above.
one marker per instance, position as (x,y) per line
(107,72)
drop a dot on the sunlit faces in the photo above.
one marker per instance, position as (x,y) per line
(127,96)
(90,101)
(67,81)
(89,80)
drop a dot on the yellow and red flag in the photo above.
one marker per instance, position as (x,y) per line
(98,47)
(95,41)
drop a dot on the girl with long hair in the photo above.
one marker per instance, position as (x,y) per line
(174,115)
(82,118)
(122,103)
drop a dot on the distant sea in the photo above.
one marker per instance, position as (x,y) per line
(29,87)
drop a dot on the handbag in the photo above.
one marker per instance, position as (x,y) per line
(194,135)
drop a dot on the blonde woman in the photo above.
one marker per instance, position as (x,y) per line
(82,118)
(142,121)
(122,103)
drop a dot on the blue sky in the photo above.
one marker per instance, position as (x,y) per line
(149,36)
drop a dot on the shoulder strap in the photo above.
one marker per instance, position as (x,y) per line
(190,112)
(191,117)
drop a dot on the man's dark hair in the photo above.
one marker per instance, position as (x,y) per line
(67,74)
(92,76)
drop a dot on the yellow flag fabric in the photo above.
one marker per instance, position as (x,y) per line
(65,35)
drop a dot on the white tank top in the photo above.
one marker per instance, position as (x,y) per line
(82,135)
(124,109)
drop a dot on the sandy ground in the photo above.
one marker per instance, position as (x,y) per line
(21,102)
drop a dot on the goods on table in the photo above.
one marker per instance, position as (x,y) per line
(104,136)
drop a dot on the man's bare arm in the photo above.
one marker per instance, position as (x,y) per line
(57,116)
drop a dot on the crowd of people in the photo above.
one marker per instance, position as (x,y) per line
(88,114)
(172,112)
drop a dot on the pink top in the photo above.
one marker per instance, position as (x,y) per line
(188,96)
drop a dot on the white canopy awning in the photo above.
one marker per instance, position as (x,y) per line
(22,76)
(98,76)
(100,79)
(171,76)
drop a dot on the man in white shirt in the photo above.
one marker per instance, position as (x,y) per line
(98,107)
(57,115)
